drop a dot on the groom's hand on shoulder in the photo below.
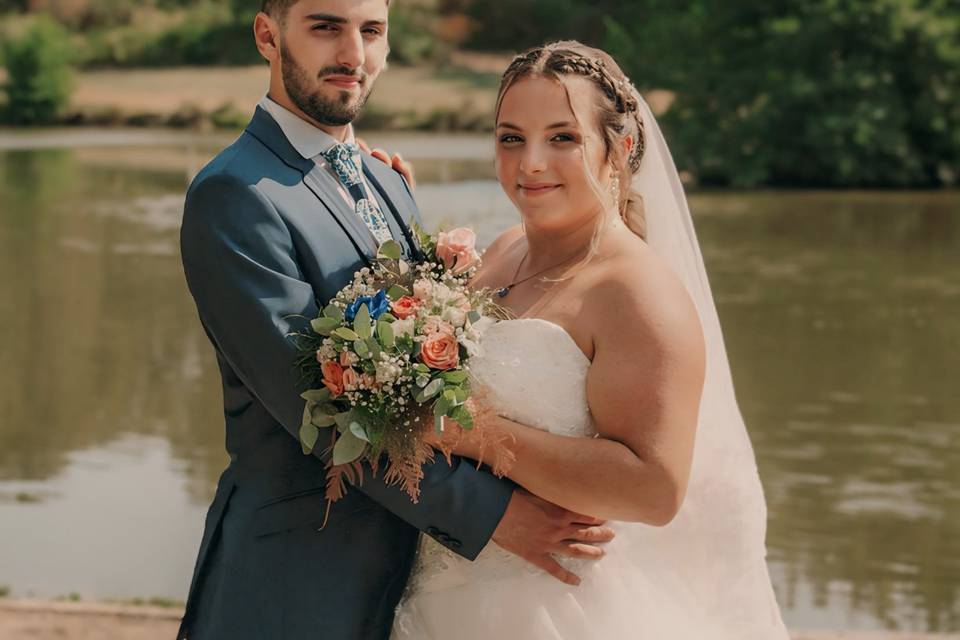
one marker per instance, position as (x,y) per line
(395,161)
(533,529)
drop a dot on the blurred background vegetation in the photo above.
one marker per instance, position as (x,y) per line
(802,93)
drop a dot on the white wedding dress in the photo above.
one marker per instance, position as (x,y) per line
(702,577)
(641,589)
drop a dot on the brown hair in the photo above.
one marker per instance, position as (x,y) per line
(617,108)
(278,9)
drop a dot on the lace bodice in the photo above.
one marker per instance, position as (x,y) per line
(536,375)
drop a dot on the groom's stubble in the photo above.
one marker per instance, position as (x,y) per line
(339,111)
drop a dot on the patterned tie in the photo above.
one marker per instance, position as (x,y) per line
(343,159)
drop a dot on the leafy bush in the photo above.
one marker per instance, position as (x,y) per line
(818,93)
(39,74)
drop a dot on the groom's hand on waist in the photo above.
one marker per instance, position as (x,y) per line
(533,529)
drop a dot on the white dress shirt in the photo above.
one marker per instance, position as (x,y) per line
(311,142)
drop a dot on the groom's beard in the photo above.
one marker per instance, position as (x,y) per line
(336,112)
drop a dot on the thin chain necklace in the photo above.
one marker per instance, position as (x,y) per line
(503,291)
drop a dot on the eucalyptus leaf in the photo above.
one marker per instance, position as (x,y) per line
(463,417)
(432,389)
(316,395)
(347,448)
(357,429)
(362,349)
(334,312)
(390,250)
(346,334)
(455,377)
(361,323)
(309,435)
(321,418)
(474,317)
(388,317)
(343,420)
(324,326)
(374,348)
(422,381)
(441,406)
(387,337)
(307,414)
(397,291)
(404,267)
(450,397)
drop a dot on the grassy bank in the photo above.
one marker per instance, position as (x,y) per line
(458,97)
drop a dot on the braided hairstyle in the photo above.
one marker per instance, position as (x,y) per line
(617,108)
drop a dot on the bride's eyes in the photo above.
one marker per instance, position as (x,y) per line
(510,139)
(564,137)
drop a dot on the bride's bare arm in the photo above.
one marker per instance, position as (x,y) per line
(643,389)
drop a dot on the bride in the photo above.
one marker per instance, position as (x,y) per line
(613,384)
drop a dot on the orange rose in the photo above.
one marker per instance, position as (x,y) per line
(458,247)
(332,377)
(440,351)
(351,379)
(405,307)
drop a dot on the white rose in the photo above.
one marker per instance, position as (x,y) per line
(403,327)
(455,316)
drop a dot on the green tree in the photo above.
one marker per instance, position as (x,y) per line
(38,73)
(806,93)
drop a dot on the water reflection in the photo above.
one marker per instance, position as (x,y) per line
(838,314)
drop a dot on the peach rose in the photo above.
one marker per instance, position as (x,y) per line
(351,379)
(435,324)
(458,247)
(369,381)
(440,351)
(348,358)
(405,307)
(332,377)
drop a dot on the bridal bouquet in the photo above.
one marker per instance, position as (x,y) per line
(388,359)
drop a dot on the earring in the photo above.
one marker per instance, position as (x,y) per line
(615,190)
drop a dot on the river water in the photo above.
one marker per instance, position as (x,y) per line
(839,308)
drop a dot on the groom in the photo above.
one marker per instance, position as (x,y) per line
(276,224)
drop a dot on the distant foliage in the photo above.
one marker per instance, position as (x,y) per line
(812,93)
(38,73)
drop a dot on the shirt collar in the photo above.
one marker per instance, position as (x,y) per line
(308,140)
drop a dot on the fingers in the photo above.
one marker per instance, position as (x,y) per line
(585,551)
(590,535)
(404,168)
(590,521)
(551,566)
(363,145)
(382,156)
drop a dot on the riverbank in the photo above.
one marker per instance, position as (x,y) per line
(456,97)
(42,620)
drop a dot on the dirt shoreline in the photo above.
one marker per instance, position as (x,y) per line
(42,620)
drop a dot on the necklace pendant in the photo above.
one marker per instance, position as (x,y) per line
(502,293)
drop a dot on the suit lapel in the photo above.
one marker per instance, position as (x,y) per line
(265,129)
(387,195)
(323,186)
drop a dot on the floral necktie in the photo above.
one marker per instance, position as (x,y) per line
(343,160)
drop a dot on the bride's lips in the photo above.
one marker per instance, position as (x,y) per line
(534,189)
(344,82)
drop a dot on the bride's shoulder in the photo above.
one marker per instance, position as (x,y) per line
(646,292)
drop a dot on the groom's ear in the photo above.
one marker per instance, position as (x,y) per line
(266,33)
